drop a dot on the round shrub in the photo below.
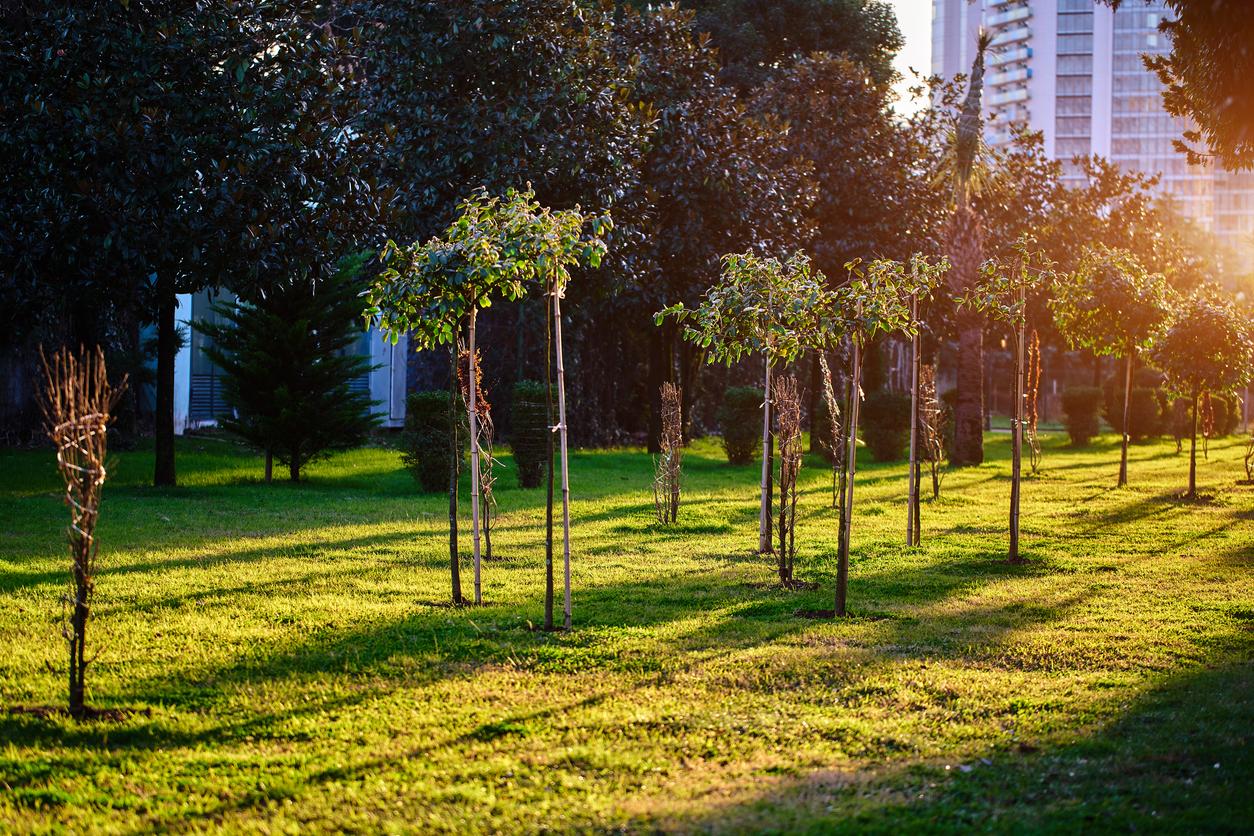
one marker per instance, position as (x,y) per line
(885,423)
(1145,413)
(740,418)
(1081,404)
(425,440)
(530,432)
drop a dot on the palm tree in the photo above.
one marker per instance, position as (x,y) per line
(965,243)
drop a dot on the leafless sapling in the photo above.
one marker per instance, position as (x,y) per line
(77,402)
(666,465)
(1031,435)
(788,412)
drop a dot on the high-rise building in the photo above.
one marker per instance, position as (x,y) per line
(1072,69)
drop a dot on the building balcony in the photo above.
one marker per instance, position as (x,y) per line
(1001,97)
(1011,16)
(1010,56)
(1012,36)
(1010,76)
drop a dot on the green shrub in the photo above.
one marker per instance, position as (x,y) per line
(740,419)
(1227,411)
(1081,404)
(885,423)
(529,438)
(425,441)
(1145,414)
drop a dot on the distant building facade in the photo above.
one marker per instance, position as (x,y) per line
(1072,69)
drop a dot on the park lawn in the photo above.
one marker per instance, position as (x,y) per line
(297,668)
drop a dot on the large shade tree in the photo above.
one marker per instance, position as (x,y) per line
(1111,306)
(156,148)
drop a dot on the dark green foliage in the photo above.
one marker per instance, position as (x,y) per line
(1081,405)
(1227,412)
(529,433)
(425,442)
(740,421)
(886,425)
(289,368)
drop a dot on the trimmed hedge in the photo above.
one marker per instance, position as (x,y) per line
(529,438)
(425,440)
(1081,404)
(740,419)
(885,423)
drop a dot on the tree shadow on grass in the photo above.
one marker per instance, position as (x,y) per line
(1175,760)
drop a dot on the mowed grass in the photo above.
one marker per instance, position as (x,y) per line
(303,671)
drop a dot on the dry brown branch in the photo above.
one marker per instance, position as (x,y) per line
(1033,390)
(788,411)
(77,403)
(931,426)
(487,432)
(667,464)
(833,429)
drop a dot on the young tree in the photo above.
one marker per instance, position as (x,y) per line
(77,403)
(1112,306)
(759,306)
(788,401)
(1206,345)
(288,371)
(874,301)
(931,427)
(1002,294)
(498,247)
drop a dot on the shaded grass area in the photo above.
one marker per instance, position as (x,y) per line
(294,664)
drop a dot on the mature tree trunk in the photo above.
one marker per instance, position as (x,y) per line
(966,252)
(851,464)
(474,455)
(454,465)
(167,350)
(764,506)
(269,466)
(1127,430)
(1193,449)
(293,467)
(561,425)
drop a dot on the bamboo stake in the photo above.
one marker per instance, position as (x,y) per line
(764,513)
(912,533)
(561,427)
(851,461)
(474,456)
(1127,402)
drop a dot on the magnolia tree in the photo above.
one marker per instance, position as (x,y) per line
(1206,345)
(764,306)
(1111,305)
(1002,296)
(875,300)
(498,248)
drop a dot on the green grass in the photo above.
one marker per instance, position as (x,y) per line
(304,673)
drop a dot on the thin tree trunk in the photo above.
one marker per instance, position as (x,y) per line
(1127,430)
(269,466)
(474,457)
(561,424)
(454,465)
(78,645)
(764,510)
(912,532)
(1193,449)
(548,501)
(167,350)
(293,467)
(969,406)
(851,453)
(1016,442)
